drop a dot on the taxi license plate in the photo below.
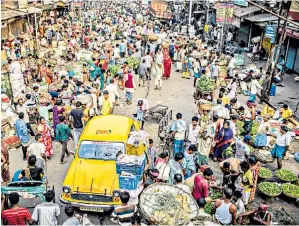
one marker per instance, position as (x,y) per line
(100,210)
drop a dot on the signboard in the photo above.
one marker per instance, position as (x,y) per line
(23,4)
(224,12)
(270,32)
(291,33)
(294,10)
(241,2)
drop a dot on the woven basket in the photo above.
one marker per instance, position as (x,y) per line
(153,37)
(205,107)
(274,195)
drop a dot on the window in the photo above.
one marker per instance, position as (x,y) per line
(100,150)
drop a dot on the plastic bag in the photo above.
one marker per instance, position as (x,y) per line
(276,115)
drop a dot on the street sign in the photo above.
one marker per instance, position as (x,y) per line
(224,12)
(270,32)
(241,2)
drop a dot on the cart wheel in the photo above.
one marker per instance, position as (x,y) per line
(6,202)
(160,117)
(164,113)
(53,189)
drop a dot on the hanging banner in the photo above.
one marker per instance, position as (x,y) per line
(224,12)
(266,43)
(270,32)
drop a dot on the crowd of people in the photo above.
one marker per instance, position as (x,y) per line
(61,113)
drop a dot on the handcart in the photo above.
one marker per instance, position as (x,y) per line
(157,112)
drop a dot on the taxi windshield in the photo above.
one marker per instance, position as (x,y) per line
(100,150)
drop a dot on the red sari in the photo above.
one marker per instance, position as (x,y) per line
(167,67)
(47,141)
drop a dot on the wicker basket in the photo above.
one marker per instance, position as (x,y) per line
(204,107)
(153,37)
(289,195)
(274,195)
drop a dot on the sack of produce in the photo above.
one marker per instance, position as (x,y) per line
(165,44)
(256,39)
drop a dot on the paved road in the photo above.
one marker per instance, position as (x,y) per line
(176,93)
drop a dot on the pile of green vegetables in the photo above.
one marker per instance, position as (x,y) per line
(286,175)
(205,85)
(239,125)
(114,69)
(209,208)
(133,62)
(216,195)
(255,126)
(290,190)
(265,173)
(269,188)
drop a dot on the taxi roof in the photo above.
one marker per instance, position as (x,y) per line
(107,128)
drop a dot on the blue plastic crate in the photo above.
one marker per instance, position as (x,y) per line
(128,182)
(133,169)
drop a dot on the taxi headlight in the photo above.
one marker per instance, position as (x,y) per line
(116,193)
(66,189)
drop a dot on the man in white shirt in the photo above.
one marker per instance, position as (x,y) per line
(178,130)
(194,129)
(242,149)
(38,149)
(47,212)
(254,85)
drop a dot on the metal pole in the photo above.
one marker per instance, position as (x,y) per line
(282,37)
(190,12)
(35,22)
(208,8)
(250,34)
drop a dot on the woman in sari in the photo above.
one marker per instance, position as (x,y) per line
(130,86)
(58,110)
(255,168)
(167,66)
(186,73)
(45,132)
(223,140)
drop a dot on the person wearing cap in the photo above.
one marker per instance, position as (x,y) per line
(282,144)
(142,108)
(178,182)
(258,216)
(242,149)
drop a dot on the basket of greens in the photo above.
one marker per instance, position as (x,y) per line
(270,189)
(290,190)
(209,208)
(285,175)
(265,173)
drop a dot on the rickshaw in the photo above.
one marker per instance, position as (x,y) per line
(26,189)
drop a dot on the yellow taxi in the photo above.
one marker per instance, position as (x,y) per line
(91,182)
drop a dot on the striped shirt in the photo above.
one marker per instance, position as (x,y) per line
(124,213)
(46,213)
(18,216)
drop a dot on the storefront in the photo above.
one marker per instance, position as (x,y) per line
(292,50)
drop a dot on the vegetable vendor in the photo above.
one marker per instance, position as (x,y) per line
(247,181)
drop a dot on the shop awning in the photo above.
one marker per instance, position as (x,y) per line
(260,18)
(10,13)
(244,11)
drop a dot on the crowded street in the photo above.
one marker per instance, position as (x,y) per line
(113,115)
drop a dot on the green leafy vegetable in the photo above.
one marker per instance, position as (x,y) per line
(209,208)
(205,85)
